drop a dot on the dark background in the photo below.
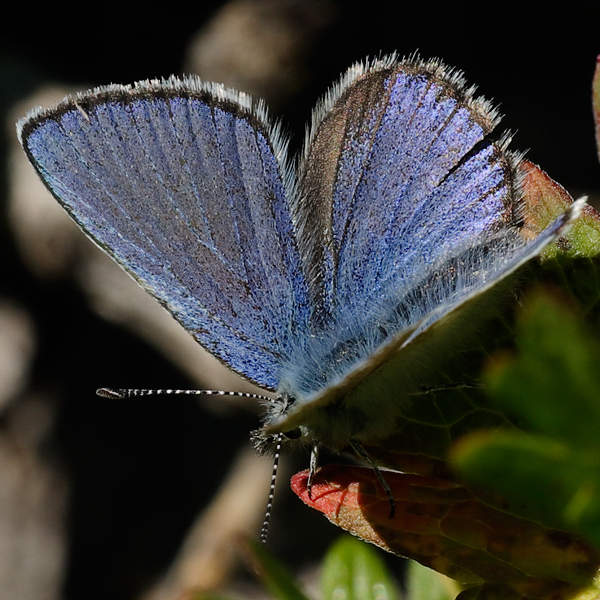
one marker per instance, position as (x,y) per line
(140,471)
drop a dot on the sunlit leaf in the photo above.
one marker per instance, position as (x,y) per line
(353,571)
(426,584)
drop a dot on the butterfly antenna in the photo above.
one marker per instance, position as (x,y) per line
(386,487)
(123,394)
(135,393)
(267,520)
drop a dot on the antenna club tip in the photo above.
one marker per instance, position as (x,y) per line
(110,393)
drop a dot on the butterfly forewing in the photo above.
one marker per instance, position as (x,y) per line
(182,186)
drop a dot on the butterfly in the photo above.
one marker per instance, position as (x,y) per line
(334,281)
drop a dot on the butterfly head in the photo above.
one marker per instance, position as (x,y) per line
(272,433)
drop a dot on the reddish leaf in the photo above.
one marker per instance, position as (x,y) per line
(596,103)
(441,525)
(546,200)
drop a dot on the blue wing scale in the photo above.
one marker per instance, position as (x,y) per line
(190,199)
(406,207)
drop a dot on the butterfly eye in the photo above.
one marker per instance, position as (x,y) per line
(293,434)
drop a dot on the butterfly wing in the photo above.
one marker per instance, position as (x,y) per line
(420,210)
(416,180)
(182,183)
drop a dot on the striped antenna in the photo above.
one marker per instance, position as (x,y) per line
(122,394)
(267,519)
(136,393)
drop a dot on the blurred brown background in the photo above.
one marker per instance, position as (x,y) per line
(103,499)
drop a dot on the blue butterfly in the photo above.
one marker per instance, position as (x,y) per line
(334,284)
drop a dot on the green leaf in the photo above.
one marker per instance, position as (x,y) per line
(352,570)
(425,584)
(273,574)
(552,472)
(556,372)
(197,595)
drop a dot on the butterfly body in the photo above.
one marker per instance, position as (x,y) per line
(336,286)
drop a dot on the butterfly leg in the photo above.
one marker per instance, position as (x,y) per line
(314,465)
(388,492)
